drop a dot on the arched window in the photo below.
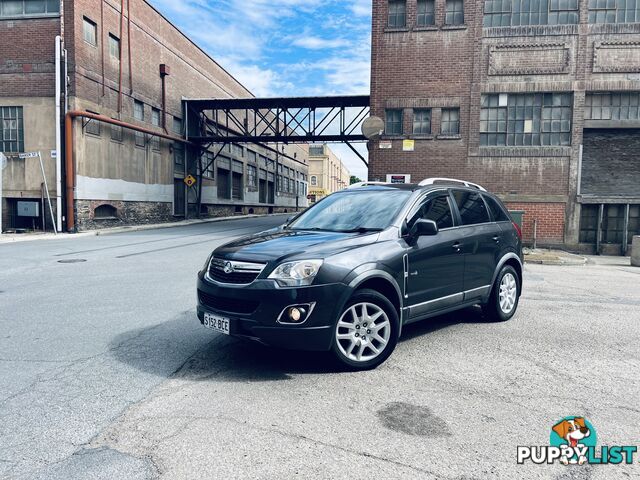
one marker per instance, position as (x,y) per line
(314,180)
(105,212)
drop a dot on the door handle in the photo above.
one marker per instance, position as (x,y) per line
(496,239)
(456,246)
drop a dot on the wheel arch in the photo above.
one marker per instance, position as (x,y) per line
(512,260)
(381,282)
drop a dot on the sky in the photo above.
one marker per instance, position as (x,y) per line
(285,47)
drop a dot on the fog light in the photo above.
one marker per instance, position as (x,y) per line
(296,314)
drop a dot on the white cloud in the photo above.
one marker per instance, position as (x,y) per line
(361,8)
(317,43)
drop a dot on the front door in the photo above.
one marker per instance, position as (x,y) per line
(435,263)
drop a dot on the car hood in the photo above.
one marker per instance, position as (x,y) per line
(282,244)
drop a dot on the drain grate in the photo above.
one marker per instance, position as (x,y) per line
(72,260)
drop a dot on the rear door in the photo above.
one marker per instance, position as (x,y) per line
(435,266)
(480,238)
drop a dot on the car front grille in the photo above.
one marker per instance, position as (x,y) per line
(230,305)
(234,272)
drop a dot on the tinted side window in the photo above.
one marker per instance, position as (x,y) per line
(436,209)
(472,208)
(498,213)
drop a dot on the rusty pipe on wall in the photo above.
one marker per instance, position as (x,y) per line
(70,173)
(129,46)
(120,55)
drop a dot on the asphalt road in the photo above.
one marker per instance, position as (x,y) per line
(106,373)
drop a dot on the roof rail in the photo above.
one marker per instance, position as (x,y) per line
(366,184)
(432,181)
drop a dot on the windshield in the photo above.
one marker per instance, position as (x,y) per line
(353,211)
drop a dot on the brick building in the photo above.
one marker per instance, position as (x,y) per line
(118,55)
(537,100)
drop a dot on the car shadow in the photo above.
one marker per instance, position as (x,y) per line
(182,348)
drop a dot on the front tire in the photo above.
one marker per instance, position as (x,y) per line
(505,295)
(366,332)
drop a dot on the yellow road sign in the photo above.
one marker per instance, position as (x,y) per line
(190,181)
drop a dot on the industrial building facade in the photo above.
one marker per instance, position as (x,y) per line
(124,62)
(327,173)
(537,100)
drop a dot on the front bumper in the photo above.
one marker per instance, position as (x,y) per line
(254,310)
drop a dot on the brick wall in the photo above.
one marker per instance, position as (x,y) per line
(549,218)
(25,70)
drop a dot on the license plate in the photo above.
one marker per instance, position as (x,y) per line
(217,323)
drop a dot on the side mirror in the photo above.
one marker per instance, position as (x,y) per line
(424,228)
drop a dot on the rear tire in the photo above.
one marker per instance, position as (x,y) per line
(366,332)
(505,295)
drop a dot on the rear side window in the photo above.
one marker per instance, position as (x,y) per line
(498,213)
(471,207)
(436,209)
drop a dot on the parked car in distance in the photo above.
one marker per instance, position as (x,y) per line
(348,273)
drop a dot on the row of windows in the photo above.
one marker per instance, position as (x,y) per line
(506,13)
(285,183)
(90,35)
(449,121)
(28,8)
(474,209)
(612,106)
(425,13)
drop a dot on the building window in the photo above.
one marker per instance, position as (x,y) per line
(422,122)
(506,13)
(634,222)
(92,126)
(316,150)
(454,14)
(612,106)
(252,174)
(11,130)
(614,11)
(426,13)
(114,46)
(116,133)
(397,13)
(531,119)
(394,122)
(450,121)
(138,114)
(207,165)
(155,121)
(90,31)
(252,156)
(588,223)
(178,148)
(27,8)
(314,181)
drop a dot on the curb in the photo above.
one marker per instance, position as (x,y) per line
(134,228)
(558,261)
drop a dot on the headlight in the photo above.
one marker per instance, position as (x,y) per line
(296,274)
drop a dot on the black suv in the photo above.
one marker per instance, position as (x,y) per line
(349,272)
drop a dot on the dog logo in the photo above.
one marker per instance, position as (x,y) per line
(577,434)
(228,268)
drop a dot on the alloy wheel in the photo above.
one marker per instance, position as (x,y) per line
(508,293)
(363,332)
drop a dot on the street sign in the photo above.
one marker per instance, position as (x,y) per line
(398,178)
(190,181)
(29,155)
(408,145)
(385,144)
